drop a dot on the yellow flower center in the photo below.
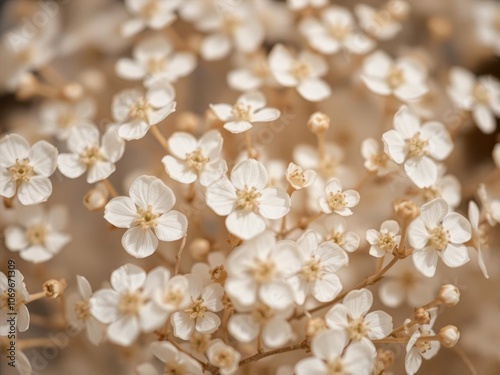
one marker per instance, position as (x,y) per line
(130,303)
(339,32)
(140,109)
(416,146)
(261,313)
(395,78)
(336,237)
(430,193)
(197,309)
(480,94)
(82,310)
(91,155)
(357,329)
(386,241)
(218,274)
(36,235)
(65,119)
(263,270)
(336,200)
(247,199)
(156,65)
(297,177)
(196,159)
(380,159)
(301,70)
(311,271)
(147,218)
(173,296)
(149,9)
(241,112)
(335,367)
(224,358)
(22,171)
(439,238)
(174,368)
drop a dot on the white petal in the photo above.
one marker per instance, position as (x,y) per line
(124,331)
(245,225)
(12,147)
(266,114)
(15,238)
(243,327)
(311,366)
(212,297)
(70,165)
(249,173)
(314,89)
(179,171)
(439,141)
(418,236)
(395,146)
(132,27)
(7,184)
(237,127)
(433,213)
(183,325)
(155,117)
(128,278)
(36,190)
(277,332)
(129,69)
(103,305)
(121,212)
(100,171)
(410,91)
(133,130)
(83,136)
(274,203)
(222,111)
(422,171)
(458,228)
(391,293)
(425,261)
(454,255)
(181,143)
(221,196)
(358,302)
(36,254)
(277,295)
(211,144)
(112,145)
(379,323)
(208,324)
(151,191)
(139,242)
(254,99)
(413,361)
(213,172)
(242,290)
(329,344)
(377,85)
(43,158)
(484,119)
(327,287)
(215,47)
(171,226)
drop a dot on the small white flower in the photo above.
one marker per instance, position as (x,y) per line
(332,357)
(36,234)
(258,270)
(385,241)
(223,356)
(383,24)
(193,159)
(447,187)
(249,108)
(155,14)
(336,200)
(417,145)
(353,318)
(299,178)
(481,96)
(302,4)
(148,214)
(319,267)
(490,205)
(91,155)
(246,201)
(200,315)
(486,24)
(405,78)
(174,361)
(376,160)
(155,61)
(334,228)
(477,236)
(438,233)
(136,111)
(25,170)
(336,31)
(252,73)
(21,297)
(302,72)
(78,312)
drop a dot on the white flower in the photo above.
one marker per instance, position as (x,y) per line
(223,356)
(446,187)
(438,233)
(490,205)
(258,270)
(246,201)
(319,267)
(405,78)
(155,61)
(253,72)
(299,178)
(351,317)
(382,24)
(25,170)
(148,215)
(155,14)
(417,145)
(302,4)
(486,23)
(376,160)
(36,234)
(302,72)
(336,31)
(481,96)
(136,111)
(127,306)
(90,155)
(17,305)
(259,319)
(385,241)
(199,315)
(249,108)
(175,361)
(214,270)
(334,229)
(332,357)
(173,294)
(195,159)
(477,236)
(78,312)
(336,200)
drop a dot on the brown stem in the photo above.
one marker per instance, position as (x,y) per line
(303,345)
(461,353)
(159,137)
(178,257)
(110,188)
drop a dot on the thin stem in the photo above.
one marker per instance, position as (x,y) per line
(206,366)
(178,257)
(159,137)
(248,143)
(34,343)
(321,145)
(110,188)
(36,296)
(461,353)
(303,345)
(380,263)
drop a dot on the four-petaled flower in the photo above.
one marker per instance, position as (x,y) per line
(336,200)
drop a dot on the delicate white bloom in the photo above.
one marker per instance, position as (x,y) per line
(352,317)
(380,23)
(155,14)
(417,145)
(223,356)
(336,31)
(486,24)
(437,233)
(404,78)
(258,270)
(249,108)
(175,361)
(246,201)
(199,315)
(319,267)
(385,241)
(299,178)
(136,111)
(334,228)
(78,312)
(490,205)
(302,72)
(481,96)
(213,271)
(17,305)
(302,4)
(336,200)
(331,356)
(155,61)
(193,159)
(477,236)
(259,319)
(91,155)
(376,160)
(25,170)
(148,214)
(253,73)
(446,186)
(38,235)
(173,294)
(496,155)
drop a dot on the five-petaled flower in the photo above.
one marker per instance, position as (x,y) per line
(338,200)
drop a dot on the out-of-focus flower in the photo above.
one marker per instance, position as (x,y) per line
(477,239)
(336,200)
(376,160)
(490,205)
(385,241)
(486,23)
(334,228)
(223,356)
(155,14)
(175,361)
(298,178)
(446,187)
(21,297)
(437,233)
(148,214)
(383,23)
(297,5)
(252,73)
(25,170)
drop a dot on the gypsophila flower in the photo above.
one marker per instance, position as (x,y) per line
(385,241)
(336,200)
(376,160)
(174,361)
(223,356)
(299,178)
(334,229)
(437,233)
(148,214)
(25,170)
(154,14)
(383,23)
(20,297)
(38,235)
(249,108)
(246,201)
(477,236)
(417,146)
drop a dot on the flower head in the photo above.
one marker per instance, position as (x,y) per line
(336,200)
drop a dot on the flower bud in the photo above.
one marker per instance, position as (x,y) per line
(315,326)
(384,360)
(449,295)
(53,288)
(72,91)
(448,336)
(318,122)
(96,198)
(422,316)
(406,209)
(199,248)
(28,86)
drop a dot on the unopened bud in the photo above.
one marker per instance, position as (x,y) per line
(233,241)
(72,91)
(315,326)
(406,209)
(96,198)
(422,316)
(199,248)
(318,122)
(28,86)
(53,288)
(449,295)
(449,336)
